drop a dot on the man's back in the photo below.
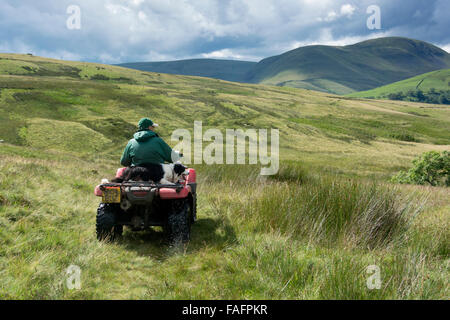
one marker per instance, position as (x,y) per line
(146,147)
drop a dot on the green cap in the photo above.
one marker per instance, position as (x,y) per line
(144,123)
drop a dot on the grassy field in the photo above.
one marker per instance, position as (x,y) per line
(308,232)
(439,80)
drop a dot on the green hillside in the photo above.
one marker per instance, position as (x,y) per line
(308,232)
(357,67)
(340,70)
(438,80)
(230,70)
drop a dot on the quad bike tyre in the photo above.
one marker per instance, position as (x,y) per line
(106,223)
(178,225)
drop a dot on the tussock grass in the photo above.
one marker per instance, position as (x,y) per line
(329,211)
(322,209)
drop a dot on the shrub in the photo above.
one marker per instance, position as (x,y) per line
(404,137)
(396,96)
(431,168)
(432,96)
(444,99)
(99,77)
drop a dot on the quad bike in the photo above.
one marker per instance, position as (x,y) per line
(141,205)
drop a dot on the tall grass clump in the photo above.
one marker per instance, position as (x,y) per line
(293,172)
(226,174)
(331,211)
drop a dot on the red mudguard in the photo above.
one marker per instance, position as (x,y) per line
(97,191)
(191,178)
(170,193)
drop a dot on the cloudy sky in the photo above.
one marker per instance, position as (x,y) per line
(114,31)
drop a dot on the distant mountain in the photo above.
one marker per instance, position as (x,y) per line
(362,66)
(230,70)
(438,80)
(341,70)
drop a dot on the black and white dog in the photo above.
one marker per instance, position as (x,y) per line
(158,173)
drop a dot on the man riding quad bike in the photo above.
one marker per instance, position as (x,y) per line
(147,192)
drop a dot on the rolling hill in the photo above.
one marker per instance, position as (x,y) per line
(230,70)
(340,70)
(308,232)
(438,80)
(357,67)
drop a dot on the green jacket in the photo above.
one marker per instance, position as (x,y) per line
(146,147)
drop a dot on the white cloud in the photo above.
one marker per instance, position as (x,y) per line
(107,58)
(142,16)
(347,10)
(115,8)
(326,38)
(133,30)
(332,15)
(229,54)
(221,54)
(446,47)
(17,46)
(137,2)
(417,14)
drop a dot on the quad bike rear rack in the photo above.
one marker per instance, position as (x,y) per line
(178,187)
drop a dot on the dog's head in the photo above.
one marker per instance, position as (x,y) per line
(180,171)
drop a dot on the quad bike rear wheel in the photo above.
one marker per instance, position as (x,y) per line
(106,226)
(178,225)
